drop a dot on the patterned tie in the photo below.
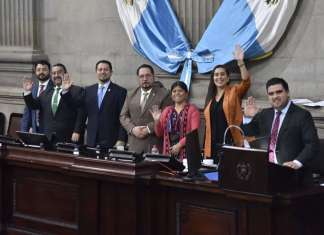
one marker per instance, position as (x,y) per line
(274,136)
(144,99)
(41,89)
(55,100)
(101,95)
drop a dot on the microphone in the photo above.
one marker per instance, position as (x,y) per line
(245,142)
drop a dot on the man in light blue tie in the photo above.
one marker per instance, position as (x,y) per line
(102,105)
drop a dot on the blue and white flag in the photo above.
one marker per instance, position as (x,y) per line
(257,25)
(154,32)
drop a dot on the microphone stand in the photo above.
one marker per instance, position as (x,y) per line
(245,142)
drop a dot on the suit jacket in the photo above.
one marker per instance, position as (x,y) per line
(132,115)
(103,127)
(232,106)
(29,116)
(68,117)
(297,137)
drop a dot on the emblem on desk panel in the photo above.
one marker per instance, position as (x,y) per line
(243,171)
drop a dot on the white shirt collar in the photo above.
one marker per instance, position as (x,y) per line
(147,92)
(105,85)
(43,83)
(285,109)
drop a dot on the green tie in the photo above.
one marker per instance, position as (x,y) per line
(55,102)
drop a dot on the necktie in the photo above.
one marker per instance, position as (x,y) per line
(55,100)
(274,136)
(41,89)
(144,99)
(100,95)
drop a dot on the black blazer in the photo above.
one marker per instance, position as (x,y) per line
(68,117)
(103,126)
(29,116)
(297,137)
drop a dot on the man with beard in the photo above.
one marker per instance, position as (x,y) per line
(102,105)
(136,117)
(293,139)
(30,119)
(60,111)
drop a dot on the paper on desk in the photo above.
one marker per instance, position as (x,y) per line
(315,104)
(301,101)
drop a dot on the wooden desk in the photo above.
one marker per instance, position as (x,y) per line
(54,193)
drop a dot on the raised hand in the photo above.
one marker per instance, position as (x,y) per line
(27,84)
(250,108)
(155,112)
(238,53)
(66,83)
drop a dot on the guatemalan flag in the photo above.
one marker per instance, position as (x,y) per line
(154,31)
(257,25)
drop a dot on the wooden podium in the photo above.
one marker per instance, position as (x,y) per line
(248,170)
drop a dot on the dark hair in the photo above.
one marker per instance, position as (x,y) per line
(181,84)
(145,66)
(42,62)
(60,65)
(211,92)
(104,62)
(275,81)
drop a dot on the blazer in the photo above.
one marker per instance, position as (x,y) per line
(68,117)
(28,119)
(297,137)
(103,126)
(232,106)
(132,115)
(193,123)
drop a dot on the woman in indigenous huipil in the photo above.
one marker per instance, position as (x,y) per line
(176,121)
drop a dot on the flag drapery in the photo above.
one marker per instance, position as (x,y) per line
(155,33)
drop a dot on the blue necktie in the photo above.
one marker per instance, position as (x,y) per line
(100,95)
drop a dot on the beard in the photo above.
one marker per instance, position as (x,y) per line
(42,77)
(57,80)
(104,79)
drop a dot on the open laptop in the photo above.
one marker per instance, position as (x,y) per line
(33,140)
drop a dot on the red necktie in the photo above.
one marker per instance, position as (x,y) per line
(274,136)
(41,89)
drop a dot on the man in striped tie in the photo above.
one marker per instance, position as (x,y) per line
(30,119)
(60,111)
(293,138)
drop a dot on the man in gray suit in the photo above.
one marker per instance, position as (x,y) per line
(135,116)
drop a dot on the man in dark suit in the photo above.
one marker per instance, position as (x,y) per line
(102,105)
(136,117)
(60,111)
(30,119)
(293,139)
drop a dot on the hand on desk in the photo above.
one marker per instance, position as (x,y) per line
(292,165)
